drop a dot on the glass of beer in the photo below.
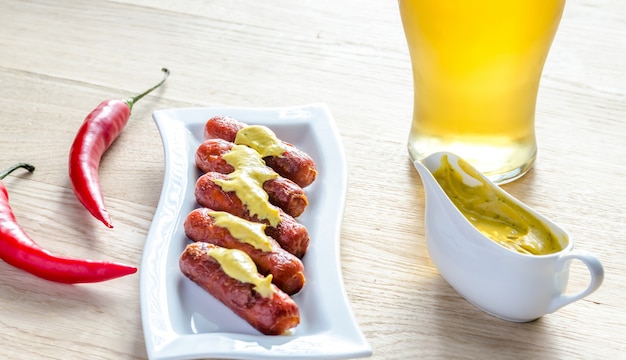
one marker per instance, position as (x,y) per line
(476,71)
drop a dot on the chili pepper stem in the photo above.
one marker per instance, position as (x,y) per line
(26,166)
(132,100)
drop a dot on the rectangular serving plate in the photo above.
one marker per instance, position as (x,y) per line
(182,321)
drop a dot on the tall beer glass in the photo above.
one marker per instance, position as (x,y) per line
(476,71)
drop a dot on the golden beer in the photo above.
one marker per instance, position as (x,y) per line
(476,71)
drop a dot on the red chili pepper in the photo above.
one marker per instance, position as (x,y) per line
(100,128)
(19,250)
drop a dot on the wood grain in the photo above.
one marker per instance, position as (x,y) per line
(59,59)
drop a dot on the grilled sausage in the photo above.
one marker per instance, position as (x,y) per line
(286,269)
(282,192)
(271,315)
(294,164)
(291,235)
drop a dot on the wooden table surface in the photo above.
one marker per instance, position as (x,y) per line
(59,59)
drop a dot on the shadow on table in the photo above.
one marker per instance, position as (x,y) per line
(458,325)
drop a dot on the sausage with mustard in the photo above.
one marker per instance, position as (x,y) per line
(289,233)
(292,163)
(231,277)
(206,225)
(282,192)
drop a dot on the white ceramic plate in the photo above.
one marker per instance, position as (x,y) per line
(182,321)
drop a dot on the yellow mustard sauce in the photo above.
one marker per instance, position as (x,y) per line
(239,266)
(495,216)
(247,182)
(248,232)
(260,138)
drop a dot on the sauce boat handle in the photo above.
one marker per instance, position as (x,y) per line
(596,272)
